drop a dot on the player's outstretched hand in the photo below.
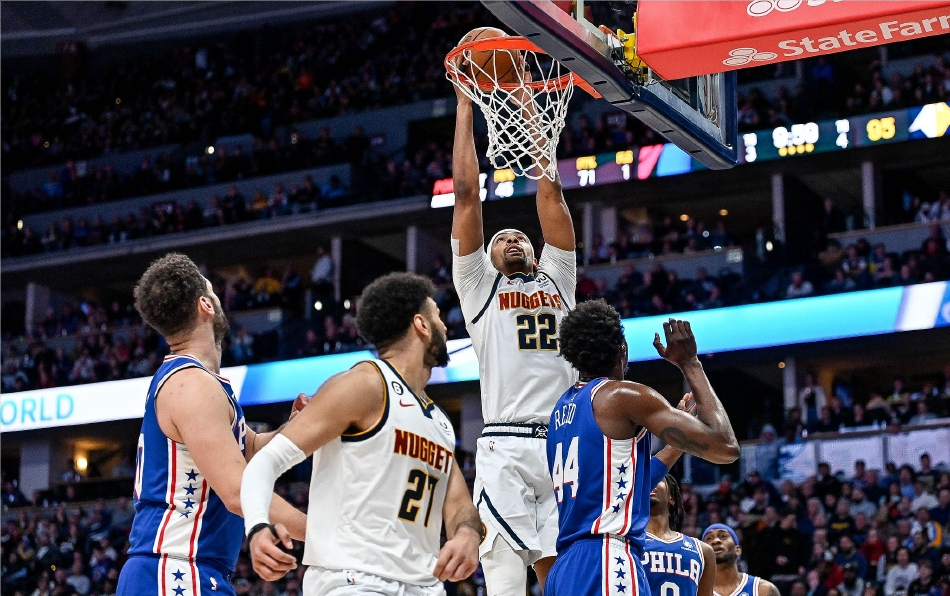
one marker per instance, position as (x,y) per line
(680,343)
(302,400)
(268,560)
(458,559)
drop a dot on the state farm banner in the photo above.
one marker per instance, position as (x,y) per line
(684,38)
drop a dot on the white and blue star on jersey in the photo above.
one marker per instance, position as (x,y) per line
(183,537)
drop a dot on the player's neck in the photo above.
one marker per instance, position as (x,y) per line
(510,270)
(659,526)
(200,345)
(410,366)
(727,578)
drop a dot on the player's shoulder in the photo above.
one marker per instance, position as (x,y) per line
(766,588)
(367,375)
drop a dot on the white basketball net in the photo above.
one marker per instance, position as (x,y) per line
(524,122)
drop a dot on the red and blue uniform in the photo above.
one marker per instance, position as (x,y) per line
(184,541)
(673,567)
(602,486)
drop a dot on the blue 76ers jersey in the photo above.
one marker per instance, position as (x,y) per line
(673,567)
(601,484)
(176,512)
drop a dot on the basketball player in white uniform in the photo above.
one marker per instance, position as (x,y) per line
(384,473)
(513,306)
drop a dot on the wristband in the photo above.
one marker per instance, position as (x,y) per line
(260,527)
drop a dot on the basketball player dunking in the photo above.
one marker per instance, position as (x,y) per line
(187,530)
(729,581)
(384,473)
(675,564)
(513,306)
(599,450)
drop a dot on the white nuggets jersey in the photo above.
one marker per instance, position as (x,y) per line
(514,322)
(376,497)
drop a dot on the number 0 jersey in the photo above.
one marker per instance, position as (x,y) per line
(376,496)
(176,512)
(602,485)
(514,322)
(673,567)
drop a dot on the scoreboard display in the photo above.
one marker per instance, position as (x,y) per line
(788,142)
(782,142)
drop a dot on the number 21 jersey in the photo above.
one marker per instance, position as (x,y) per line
(376,496)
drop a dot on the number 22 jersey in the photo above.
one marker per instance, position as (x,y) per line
(514,322)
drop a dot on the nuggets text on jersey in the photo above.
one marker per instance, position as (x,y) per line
(509,300)
(412,445)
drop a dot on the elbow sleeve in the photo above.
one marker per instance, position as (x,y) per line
(257,483)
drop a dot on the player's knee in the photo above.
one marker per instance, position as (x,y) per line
(506,570)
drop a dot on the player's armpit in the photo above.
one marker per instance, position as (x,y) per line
(352,401)
(707,581)
(193,409)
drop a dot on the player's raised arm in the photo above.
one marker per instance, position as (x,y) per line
(467,226)
(556,223)
(464,529)
(681,351)
(642,406)
(329,414)
(665,458)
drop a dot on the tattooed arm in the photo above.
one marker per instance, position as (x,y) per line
(623,408)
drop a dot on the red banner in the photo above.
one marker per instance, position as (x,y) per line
(684,38)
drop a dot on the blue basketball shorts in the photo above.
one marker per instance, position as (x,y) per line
(168,576)
(598,566)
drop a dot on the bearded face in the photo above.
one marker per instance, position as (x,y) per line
(437,352)
(219,325)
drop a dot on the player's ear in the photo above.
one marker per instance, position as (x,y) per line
(738,551)
(421,325)
(205,304)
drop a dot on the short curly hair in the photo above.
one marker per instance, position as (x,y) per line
(388,305)
(165,295)
(592,339)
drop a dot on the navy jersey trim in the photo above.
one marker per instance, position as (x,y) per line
(425,404)
(556,287)
(522,276)
(494,289)
(499,519)
(372,431)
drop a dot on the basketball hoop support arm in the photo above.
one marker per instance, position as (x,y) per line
(587,53)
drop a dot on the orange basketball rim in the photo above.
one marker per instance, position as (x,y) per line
(517,43)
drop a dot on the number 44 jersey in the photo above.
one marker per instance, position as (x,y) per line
(376,496)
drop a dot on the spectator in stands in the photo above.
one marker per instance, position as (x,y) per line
(799,287)
(900,576)
(321,276)
(267,288)
(924,585)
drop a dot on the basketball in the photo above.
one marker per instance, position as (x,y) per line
(499,66)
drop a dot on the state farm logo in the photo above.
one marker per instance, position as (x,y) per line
(760,8)
(743,56)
